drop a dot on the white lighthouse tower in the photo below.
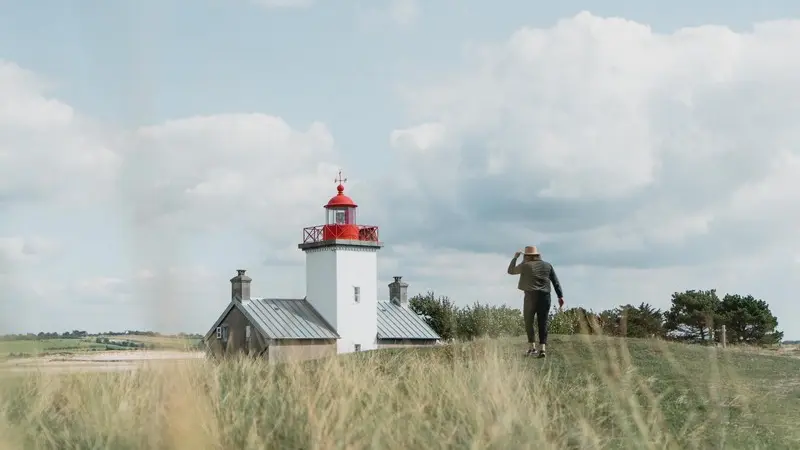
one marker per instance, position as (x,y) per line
(342,273)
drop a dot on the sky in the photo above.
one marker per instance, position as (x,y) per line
(149,149)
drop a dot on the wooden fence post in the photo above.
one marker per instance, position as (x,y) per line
(724,338)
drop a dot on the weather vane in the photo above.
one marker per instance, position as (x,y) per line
(339,179)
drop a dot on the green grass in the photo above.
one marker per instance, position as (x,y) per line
(159,342)
(35,347)
(46,346)
(589,393)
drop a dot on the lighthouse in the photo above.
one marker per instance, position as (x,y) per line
(340,312)
(342,272)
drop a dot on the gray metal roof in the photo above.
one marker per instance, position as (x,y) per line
(297,319)
(396,322)
(287,319)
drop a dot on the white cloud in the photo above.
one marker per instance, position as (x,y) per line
(249,173)
(652,138)
(48,152)
(421,138)
(182,191)
(645,158)
(641,163)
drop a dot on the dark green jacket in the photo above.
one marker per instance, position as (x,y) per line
(535,275)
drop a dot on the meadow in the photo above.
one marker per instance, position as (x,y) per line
(38,347)
(590,393)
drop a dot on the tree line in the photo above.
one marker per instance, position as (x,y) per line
(693,317)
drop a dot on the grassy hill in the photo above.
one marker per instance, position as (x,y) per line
(589,393)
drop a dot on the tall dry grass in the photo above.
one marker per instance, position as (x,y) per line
(480,396)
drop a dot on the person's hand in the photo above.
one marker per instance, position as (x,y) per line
(516,255)
(560,302)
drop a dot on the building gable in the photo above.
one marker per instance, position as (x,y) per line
(219,320)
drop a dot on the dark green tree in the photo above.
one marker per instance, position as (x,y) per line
(693,315)
(641,321)
(749,321)
(610,322)
(439,313)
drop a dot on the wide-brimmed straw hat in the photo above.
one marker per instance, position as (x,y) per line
(531,250)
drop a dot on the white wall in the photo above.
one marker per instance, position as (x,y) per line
(358,322)
(321,283)
(331,274)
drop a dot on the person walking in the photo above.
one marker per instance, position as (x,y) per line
(535,276)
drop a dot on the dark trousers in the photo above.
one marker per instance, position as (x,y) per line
(537,304)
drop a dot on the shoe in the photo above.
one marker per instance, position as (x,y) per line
(530,352)
(541,355)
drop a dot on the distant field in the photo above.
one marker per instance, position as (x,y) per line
(160,342)
(47,345)
(38,347)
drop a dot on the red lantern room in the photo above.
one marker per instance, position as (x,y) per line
(341,216)
(340,221)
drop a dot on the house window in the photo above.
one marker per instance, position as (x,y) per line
(247,332)
(358,347)
(357,294)
(222,333)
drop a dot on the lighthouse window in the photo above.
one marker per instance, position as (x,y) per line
(340,217)
(357,294)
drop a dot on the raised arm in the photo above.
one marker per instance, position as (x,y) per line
(513,268)
(556,284)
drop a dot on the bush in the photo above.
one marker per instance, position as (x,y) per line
(493,321)
(439,313)
(574,321)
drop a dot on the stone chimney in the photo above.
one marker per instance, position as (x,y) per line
(398,292)
(240,287)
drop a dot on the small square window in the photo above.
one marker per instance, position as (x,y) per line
(358,347)
(357,294)
(219,333)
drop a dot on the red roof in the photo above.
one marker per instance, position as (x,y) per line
(340,199)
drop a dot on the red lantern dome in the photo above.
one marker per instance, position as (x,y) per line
(340,223)
(340,199)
